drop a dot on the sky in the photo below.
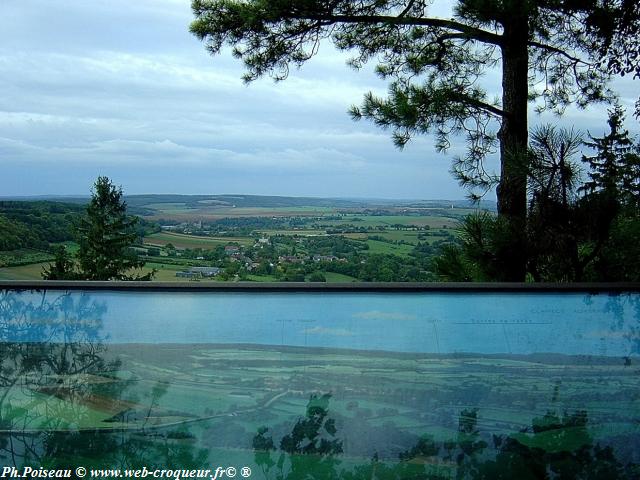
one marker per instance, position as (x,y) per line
(121,88)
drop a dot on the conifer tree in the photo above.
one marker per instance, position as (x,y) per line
(106,237)
(62,268)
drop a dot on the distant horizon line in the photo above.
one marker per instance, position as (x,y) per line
(318,197)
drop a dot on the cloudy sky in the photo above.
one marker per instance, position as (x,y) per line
(120,88)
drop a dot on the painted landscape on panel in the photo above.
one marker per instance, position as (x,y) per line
(72,390)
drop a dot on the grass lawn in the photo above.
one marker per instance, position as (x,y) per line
(23,272)
(397,235)
(262,278)
(333,277)
(165,272)
(34,272)
(376,246)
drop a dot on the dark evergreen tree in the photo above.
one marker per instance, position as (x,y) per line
(106,237)
(574,231)
(434,67)
(62,268)
(608,168)
(614,189)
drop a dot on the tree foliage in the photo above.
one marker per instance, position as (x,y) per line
(434,67)
(62,268)
(105,237)
(614,169)
(36,224)
(575,231)
(614,28)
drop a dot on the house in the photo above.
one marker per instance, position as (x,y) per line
(190,275)
(250,266)
(292,259)
(325,258)
(206,271)
(199,272)
(231,249)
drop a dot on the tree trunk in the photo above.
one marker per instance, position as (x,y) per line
(513,136)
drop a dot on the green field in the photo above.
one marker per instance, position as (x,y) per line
(23,272)
(386,228)
(165,272)
(401,235)
(23,256)
(208,210)
(303,232)
(376,246)
(431,221)
(262,278)
(333,277)
(412,237)
(179,240)
(203,211)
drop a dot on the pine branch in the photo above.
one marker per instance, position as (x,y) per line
(473,33)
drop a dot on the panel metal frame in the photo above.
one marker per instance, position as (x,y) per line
(318,287)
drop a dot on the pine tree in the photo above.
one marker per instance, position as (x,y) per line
(434,66)
(608,168)
(62,268)
(106,237)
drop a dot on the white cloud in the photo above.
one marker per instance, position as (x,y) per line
(334,332)
(165,152)
(120,85)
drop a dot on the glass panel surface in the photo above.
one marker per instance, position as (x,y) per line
(309,385)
